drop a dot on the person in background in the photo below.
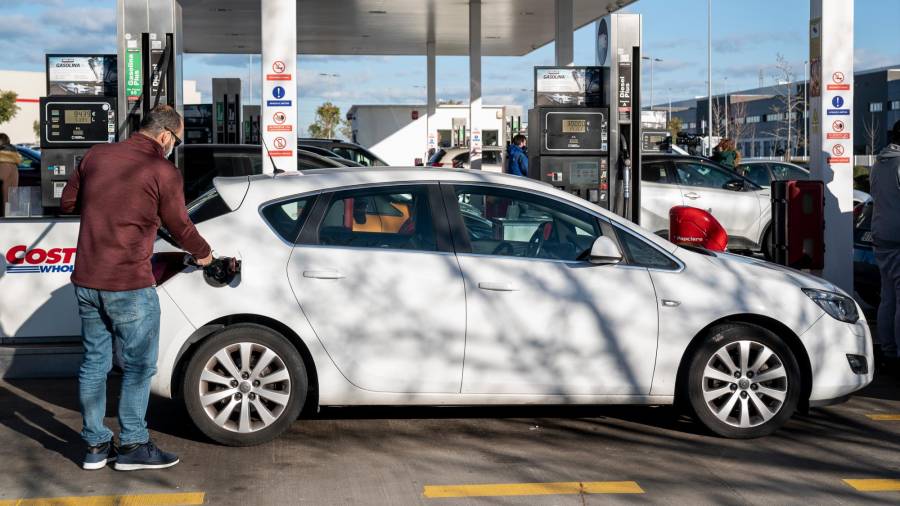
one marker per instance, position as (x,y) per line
(726,154)
(124,192)
(9,170)
(885,190)
(517,160)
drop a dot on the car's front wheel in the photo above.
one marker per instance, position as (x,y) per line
(245,385)
(743,382)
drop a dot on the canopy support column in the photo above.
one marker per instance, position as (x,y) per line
(430,120)
(565,33)
(475,84)
(278,121)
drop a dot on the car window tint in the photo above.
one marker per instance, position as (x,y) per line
(642,254)
(702,175)
(306,162)
(510,223)
(287,217)
(782,172)
(654,173)
(230,164)
(756,172)
(491,157)
(380,218)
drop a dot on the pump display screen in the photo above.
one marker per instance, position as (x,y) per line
(77,116)
(574,126)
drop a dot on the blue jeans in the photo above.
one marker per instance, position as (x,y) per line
(889,310)
(132,318)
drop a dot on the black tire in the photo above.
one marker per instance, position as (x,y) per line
(261,430)
(702,382)
(768,248)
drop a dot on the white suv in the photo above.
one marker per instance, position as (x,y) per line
(741,206)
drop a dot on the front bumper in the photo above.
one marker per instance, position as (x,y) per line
(828,343)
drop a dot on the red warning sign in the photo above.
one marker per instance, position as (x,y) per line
(279,118)
(278,67)
(280,143)
(837,126)
(837,150)
(279,153)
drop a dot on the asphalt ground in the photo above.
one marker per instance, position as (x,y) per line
(456,456)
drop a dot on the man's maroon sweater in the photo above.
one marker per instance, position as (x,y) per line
(124,191)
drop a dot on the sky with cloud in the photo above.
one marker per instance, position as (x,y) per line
(747,37)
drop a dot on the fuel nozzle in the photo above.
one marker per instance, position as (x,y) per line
(220,272)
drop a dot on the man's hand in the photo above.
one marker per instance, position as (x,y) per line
(203,262)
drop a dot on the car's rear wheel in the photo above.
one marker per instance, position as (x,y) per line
(744,382)
(245,385)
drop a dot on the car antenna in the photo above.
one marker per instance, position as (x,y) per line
(271,159)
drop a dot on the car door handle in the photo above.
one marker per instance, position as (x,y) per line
(497,287)
(323,274)
(692,195)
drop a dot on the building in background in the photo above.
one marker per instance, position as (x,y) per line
(397,133)
(760,123)
(30,87)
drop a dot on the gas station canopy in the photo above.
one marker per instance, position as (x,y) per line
(380,27)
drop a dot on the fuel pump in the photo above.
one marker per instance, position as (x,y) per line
(228,125)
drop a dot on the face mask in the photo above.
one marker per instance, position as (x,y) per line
(171,149)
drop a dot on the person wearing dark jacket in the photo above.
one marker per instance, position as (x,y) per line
(517,160)
(9,170)
(124,192)
(885,188)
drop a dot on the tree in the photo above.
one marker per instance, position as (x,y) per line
(8,106)
(675,127)
(871,129)
(328,120)
(789,105)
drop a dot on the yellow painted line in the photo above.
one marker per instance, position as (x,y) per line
(185,499)
(884,418)
(877,485)
(514,489)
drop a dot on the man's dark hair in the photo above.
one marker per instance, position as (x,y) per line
(4,140)
(895,133)
(160,119)
(518,139)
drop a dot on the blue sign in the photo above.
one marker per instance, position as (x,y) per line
(838,112)
(278,103)
(278,92)
(837,101)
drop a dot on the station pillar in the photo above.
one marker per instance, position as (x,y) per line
(278,120)
(475,84)
(565,33)
(831,129)
(430,120)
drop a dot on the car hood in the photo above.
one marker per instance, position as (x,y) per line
(761,270)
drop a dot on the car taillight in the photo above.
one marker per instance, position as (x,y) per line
(857,211)
(166,265)
(437,164)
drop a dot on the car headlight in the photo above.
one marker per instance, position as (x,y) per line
(840,307)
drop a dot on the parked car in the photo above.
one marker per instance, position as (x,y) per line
(740,205)
(370,286)
(866,276)
(344,149)
(458,157)
(763,172)
(204,162)
(30,168)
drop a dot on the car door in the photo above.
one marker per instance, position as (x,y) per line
(540,319)
(376,277)
(659,194)
(703,185)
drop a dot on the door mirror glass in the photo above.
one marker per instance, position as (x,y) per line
(605,252)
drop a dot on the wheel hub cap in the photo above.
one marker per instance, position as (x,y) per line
(745,384)
(245,387)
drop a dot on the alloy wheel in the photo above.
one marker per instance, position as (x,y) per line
(244,387)
(745,384)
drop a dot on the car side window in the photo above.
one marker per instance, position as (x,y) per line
(701,175)
(394,218)
(654,172)
(642,254)
(756,172)
(783,172)
(510,223)
(286,217)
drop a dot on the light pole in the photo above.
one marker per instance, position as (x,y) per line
(709,75)
(726,107)
(805,107)
(651,59)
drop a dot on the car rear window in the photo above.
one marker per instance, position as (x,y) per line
(287,217)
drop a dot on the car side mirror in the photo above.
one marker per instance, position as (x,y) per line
(605,252)
(734,185)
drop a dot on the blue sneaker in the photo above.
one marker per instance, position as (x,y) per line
(143,456)
(97,456)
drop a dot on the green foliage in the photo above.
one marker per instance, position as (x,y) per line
(328,120)
(675,126)
(8,106)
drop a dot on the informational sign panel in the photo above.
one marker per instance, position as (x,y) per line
(568,86)
(831,129)
(86,74)
(279,85)
(623,88)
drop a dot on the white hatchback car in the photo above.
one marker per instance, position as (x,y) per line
(743,208)
(393,286)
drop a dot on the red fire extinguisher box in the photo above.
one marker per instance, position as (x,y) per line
(798,223)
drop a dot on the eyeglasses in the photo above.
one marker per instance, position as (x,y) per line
(177,139)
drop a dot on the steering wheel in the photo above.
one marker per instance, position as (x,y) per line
(504,248)
(536,243)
